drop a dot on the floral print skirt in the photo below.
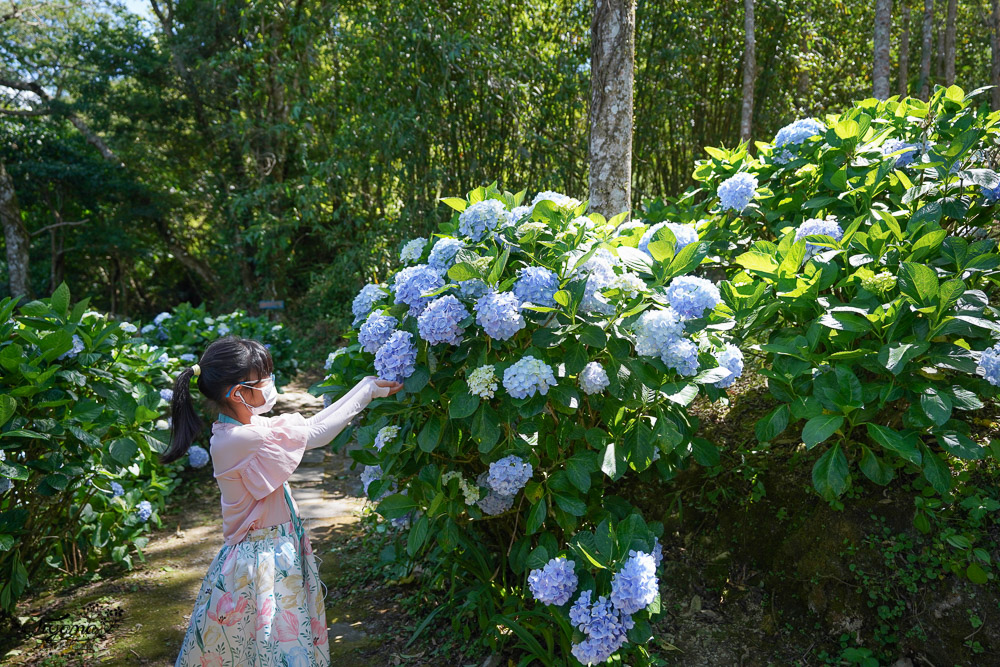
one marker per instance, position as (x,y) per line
(261,604)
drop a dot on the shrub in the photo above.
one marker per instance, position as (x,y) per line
(512,426)
(79,478)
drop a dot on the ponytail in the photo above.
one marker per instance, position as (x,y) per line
(185,423)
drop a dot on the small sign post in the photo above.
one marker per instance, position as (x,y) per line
(271,307)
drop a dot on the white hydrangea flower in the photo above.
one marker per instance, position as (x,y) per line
(482,382)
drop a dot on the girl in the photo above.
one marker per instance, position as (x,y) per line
(261,602)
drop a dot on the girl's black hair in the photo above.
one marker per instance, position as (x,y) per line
(226,362)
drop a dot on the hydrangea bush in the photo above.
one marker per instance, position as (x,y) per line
(544,356)
(79,478)
(866,267)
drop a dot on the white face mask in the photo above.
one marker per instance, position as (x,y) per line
(270,394)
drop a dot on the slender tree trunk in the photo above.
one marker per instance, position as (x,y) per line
(939,54)
(612,59)
(949,43)
(749,70)
(15,235)
(880,68)
(904,54)
(925,52)
(995,56)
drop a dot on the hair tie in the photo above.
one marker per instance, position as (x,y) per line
(197,370)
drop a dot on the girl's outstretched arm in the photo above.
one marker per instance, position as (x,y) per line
(327,424)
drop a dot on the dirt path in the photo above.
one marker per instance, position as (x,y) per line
(154,601)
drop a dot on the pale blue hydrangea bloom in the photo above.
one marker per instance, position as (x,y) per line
(605,627)
(443,253)
(481,219)
(163,358)
(520,213)
(492,503)
(814,227)
(601,275)
(332,356)
(482,382)
(117,490)
(499,314)
(627,226)
(737,191)
(635,586)
(991,195)
(473,288)
(385,435)
(412,251)
(144,510)
(397,358)
(593,378)
(223,329)
(683,235)
(555,583)
(657,552)
(560,200)
(128,327)
(187,356)
(167,395)
(376,331)
(903,159)
(536,284)
(795,133)
(369,475)
(75,350)
(159,319)
(411,282)
(691,296)
(584,67)
(327,400)
(509,475)
(682,356)
(528,375)
(731,358)
(146,329)
(365,300)
(197,456)
(441,321)
(989,365)
(657,330)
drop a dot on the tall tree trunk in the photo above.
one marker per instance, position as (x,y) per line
(995,56)
(880,67)
(904,54)
(949,43)
(939,53)
(749,70)
(925,51)
(15,235)
(612,59)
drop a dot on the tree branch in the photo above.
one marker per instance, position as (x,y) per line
(59,224)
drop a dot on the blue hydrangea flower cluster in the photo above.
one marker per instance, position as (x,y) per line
(730,358)
(536,284)
(492,503)
(376,331)
(635,585)
(628,226)
(683,235)
(992,195)
(736,191)
(167,395)
(117,490)
(520,213)
(412,251)
(75,350)
(128,327)
(682,356)
(989,365)
(795,133)
(816,226)
(443,253)
(411,282)
(187,356)
(441,321)
(660,333)
(691,296)
(601,275)
(473,288)
(903,159)
(481,219)
(369,475)
(509,475)
(365,300)
(197,456)
(396,360)
(560,200)
(144,510)
(528,375)
(555,583)
(499,314)
(604,626)
(385,435)
(593,378)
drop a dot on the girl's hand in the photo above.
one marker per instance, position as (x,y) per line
(393,387)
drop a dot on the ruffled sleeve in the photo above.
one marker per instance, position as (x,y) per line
(283,441)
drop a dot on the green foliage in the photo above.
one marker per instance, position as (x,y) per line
(578,444)
(872,339)
(77,413)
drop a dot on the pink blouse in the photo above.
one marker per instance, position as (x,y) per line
(252,462)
